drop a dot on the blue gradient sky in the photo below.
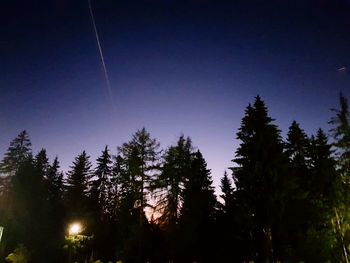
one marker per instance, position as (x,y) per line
(175,67)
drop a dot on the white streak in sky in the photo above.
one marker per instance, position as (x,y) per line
(101,56)
(342,69)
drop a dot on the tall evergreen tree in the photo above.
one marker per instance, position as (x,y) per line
(18,152)
(102,185)
(46,221)
(259,176)
(326,180)
(341,135)
(321,242)
(25,201)
(227,193)
(301,212)
(56,213)
(229,226)
(298,146)
(298,151)
(54,183)
(29,222)
(102,206)
(41,163)
(198,212)
(77,186)
(17,156)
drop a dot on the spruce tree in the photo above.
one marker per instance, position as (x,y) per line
(41,164)
(230,225)
(56,213)
(16,159)
(198,212)
(54,182)
(18,152)
(341,136)
(301,213)
(41,167)
(325,196)
(298,146)
(227,193)
(30,208)
(77,186)
(259,177)
(326,180)
(47,219)
(25,200)
(102,184)
(102,206)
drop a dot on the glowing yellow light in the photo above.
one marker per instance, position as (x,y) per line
(74,229)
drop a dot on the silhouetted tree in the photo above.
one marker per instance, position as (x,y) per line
(54,183)
(259,177)
(142,156)
(46,244)
(55,189)
(41,163)
(125,196)
(299,209)
(230,225)
(326,180)
(321,241)
(77,187)
(170,189)
(198,212)
(175,171)
(298,146)
(102,206)
(227,193)
(288,201)
(29,217)
(341,135)
(18,152)
(102,184)
(138,165)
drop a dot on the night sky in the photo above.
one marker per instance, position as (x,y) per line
(175,67)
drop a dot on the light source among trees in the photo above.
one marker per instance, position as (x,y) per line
(287,199)
(74,229)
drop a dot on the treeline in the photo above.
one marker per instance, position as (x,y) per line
(283,200)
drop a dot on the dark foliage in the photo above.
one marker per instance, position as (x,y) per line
(287,200)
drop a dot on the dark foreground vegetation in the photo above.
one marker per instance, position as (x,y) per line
(284,200)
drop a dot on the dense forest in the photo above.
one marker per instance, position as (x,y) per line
(283,199)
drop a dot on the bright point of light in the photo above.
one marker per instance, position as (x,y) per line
(74,229)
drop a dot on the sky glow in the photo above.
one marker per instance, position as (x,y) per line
(174,68)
